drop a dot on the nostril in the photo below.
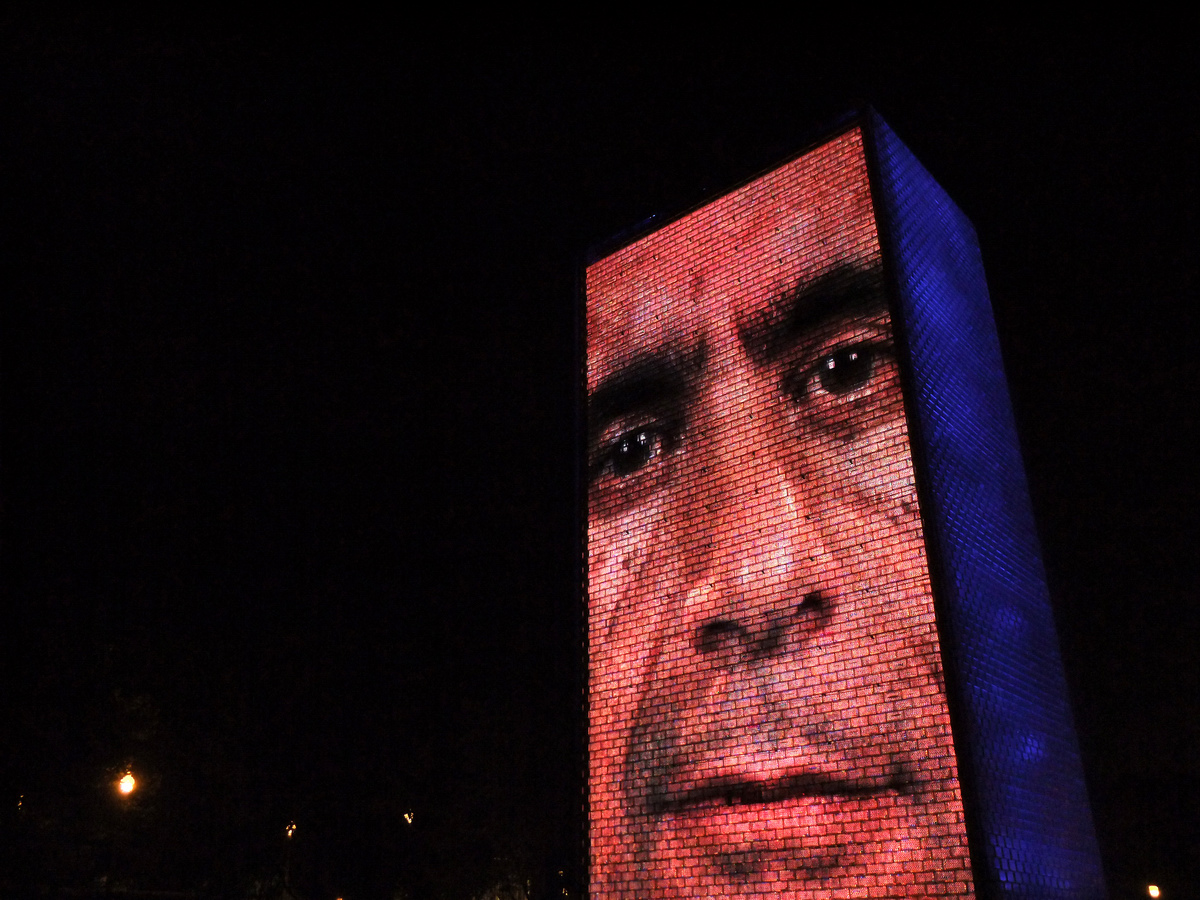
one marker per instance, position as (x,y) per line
(813,602)
(717,635)
(766,636)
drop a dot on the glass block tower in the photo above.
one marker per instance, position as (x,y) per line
(821,652)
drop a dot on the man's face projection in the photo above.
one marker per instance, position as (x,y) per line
(766,710)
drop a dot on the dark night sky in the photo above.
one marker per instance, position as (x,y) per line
(288,372)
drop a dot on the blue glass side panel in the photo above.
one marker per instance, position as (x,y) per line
(1033,835)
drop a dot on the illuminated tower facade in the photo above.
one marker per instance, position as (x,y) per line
(821,653)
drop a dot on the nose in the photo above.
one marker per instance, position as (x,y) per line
(730,643)
(757,563)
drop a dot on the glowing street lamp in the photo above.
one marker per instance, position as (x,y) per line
(127,783)
(1153,890)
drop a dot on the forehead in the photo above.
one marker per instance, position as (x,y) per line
(731,258)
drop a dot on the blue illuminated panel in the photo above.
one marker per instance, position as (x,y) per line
(1028,815)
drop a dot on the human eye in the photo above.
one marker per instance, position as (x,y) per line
(630,452)
(635,450)
(840,372)
(846,384)
(631,461)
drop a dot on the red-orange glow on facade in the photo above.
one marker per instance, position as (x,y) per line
(767,715)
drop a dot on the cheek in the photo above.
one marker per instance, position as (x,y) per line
(872,475)
(628,601)
(618,549)
(863,496)
(871,526)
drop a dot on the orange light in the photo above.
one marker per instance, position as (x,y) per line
(127,783)
(1153,891)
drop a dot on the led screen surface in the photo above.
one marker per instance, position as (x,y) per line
(766,710)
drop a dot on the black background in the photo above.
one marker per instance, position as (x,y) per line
(289,378)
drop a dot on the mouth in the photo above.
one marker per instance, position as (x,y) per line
(807,824)
(734,791)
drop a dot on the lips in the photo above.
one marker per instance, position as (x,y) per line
(800,827)
(733,791)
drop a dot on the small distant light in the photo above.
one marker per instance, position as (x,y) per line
(127,783)
(291,829)
(408,817)
(1153,891)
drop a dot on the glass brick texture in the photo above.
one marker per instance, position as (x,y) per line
(767,714)
(1029,813)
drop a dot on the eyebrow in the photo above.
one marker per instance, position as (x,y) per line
(654,378)
(651,378)
(840,293)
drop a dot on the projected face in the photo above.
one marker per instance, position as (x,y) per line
(767,715)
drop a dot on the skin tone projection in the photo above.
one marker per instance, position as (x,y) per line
(767,716)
